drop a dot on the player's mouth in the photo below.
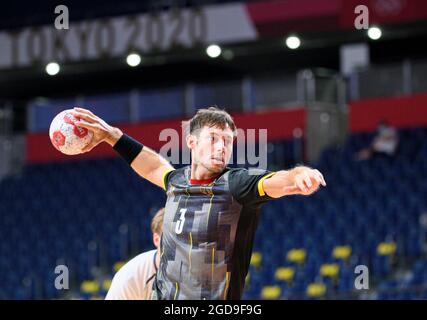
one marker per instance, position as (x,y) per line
(218,160)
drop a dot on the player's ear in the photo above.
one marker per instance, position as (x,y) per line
(191,141)
(156,239)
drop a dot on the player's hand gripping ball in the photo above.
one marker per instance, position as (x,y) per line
(66,136)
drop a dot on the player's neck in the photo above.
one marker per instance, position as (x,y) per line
(198,172)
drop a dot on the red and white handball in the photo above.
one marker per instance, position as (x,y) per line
(66,136)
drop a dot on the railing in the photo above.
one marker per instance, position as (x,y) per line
(407,77)
(246,94)
(11,146)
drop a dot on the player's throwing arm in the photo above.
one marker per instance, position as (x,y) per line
(147,163)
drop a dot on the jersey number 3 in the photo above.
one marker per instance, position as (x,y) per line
(180,223)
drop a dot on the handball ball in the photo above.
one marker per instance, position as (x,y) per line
(66,136)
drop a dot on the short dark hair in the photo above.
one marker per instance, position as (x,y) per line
(211,117)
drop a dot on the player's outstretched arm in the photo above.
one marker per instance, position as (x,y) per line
(299,180)
(148,164)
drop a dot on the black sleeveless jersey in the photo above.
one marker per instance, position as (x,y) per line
(208,232)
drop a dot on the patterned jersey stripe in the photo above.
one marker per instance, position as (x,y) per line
(210,207)
(176,290)
(227,282)
(191,246)
(213,260)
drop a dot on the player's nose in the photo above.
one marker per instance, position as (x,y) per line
(220,146)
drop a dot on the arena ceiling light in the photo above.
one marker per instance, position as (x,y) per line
(374,33)
(52,68)
(213,51)
(228,54)
(133,59)
(293,42)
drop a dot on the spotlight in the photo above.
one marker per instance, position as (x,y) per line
(52,68)
(293,42)
(133,59)
(228,54)
(374,33)
(213,51)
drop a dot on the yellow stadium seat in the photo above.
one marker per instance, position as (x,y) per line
(386,248)
(89,286)
(296,255)
(118,265)
(247,279)
(256,259)
(96,298)
(270,292)
(316,290)
(342,252)
(106,284)
(329,270)
(285,274)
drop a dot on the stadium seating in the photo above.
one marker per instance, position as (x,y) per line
(367,215)
(92,214)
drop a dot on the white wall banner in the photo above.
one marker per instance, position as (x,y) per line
(115,37)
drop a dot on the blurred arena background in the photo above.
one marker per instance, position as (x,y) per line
(321,97)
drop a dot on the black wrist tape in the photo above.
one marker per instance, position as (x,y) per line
(128,148)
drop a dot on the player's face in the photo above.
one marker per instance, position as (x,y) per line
(212,148)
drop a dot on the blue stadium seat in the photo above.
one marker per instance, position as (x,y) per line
(80,202)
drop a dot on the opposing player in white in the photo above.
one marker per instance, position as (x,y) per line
(134,281)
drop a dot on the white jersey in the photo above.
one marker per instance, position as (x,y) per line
(134,281)
(387,141)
